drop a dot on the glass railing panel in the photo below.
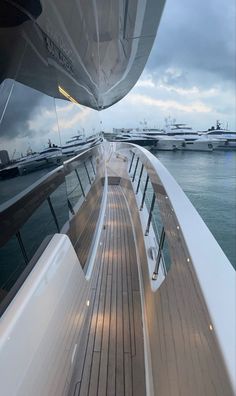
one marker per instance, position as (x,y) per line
(166,256)
(60,205)
(91,169)
(147,198)
(12,263)
(74,191)
(39,225)
(157,220)
(149,195)
(142,180)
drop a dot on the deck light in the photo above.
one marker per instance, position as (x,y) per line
(211,327)
(87,303)
(177,227)
(67,95)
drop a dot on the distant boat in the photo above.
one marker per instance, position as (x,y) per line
(192,140)
(227,138)
(52,156)
(163,141)
(136,138)
(79,143)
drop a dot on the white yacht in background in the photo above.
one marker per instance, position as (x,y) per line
(190,140)
(163,141)
(135,137)
(49,157)
(151,139)
(78,143)
(227,138)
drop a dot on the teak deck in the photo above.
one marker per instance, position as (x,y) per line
(113,355)
(185,355)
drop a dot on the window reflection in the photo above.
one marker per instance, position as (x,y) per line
(34,131)
(75,119)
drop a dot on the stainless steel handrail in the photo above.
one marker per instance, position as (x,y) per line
(15,212)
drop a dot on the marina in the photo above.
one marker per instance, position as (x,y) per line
(50,157)
(176,137)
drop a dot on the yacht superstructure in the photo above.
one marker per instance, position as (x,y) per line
(135,138)
(79,143)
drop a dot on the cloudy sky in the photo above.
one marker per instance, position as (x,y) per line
(189,77)
(190,74)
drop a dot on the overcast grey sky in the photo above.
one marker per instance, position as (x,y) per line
(190,74)
(190,77)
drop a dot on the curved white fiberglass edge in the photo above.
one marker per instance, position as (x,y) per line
(40,327)
(216,275)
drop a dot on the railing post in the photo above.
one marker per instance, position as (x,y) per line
(135,170)
(140,175)
(53,213)
(87,172)
(80,183)
(150,214)
(131,163)
(159,254)
(144,192)
(22,248)
(70,207)
(92,166)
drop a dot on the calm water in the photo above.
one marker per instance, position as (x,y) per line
(209,180)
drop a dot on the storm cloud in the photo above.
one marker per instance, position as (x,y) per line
(197,37)
(23,104)
(190,74)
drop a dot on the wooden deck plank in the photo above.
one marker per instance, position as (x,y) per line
(128,374)
(93,386)
(111,382)
(138,359)
(83,244)
(111,363)
(102,383)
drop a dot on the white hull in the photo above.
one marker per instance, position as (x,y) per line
(79,148)
(199,145)
(168,144)
(34,165)
(229,146)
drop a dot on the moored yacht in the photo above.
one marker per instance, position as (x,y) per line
(163,141)
(136,138)
(79,143)
(192,141)
(49,157)
(226,137)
